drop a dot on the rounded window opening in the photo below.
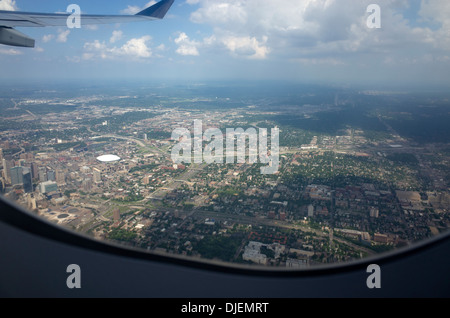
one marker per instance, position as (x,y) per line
(306,149)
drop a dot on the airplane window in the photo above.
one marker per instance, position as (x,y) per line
(287,135)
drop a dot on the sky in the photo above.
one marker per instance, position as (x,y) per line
(323,41)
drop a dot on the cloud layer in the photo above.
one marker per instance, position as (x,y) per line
(332,30)
(265,38)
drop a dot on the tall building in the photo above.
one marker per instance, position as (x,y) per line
(97,176)
(51,175)
(60,177)
(34,170)
(16,174)
(42,172)
(22,176)
(8,163)
(27,180)
(48,186)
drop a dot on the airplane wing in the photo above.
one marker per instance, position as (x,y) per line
(11,19)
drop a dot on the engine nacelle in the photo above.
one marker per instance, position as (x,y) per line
(9,36)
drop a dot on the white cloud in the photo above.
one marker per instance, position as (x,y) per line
(131,10)
(95,46)
(9,5)
(47,38)
(219,12)
(186,46)
(187,50)
(136,48)
(116,36)
(10,51)
(62,36)
(136,9)
(247,46)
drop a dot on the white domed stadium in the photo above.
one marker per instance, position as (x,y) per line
(108,158)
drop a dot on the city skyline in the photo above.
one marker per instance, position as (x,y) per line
(349,182)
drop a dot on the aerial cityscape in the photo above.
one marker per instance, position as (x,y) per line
(360,172)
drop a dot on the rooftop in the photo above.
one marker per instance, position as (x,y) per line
(108,158)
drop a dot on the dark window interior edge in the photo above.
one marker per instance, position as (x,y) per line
(18,217)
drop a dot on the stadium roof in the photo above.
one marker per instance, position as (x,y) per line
(108,158)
